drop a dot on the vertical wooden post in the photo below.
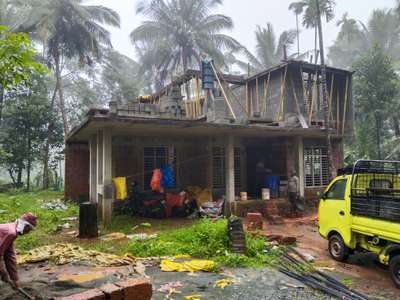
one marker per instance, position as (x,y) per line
(229,174)
(345,104)
(93,169)
(257,96)
(107,177)
(300,146)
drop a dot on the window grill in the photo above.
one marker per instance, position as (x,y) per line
(316,166)
(156,158)
(218,164)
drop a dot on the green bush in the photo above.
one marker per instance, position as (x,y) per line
(204,239)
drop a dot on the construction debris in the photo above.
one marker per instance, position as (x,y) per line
(222,283)
(295,265)
(141,236)
(166,288)
(54,205)
(187,266)
(113,236)
(62,254)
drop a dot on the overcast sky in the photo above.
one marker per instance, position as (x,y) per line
(246,15)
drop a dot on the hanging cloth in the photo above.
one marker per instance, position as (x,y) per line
(167,177)
(155,183)
(121,192)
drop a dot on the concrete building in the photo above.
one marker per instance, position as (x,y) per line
(219,138)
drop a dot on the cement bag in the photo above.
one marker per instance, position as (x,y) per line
(121,192)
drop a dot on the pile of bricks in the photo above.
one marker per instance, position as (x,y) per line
(254,221)
(272,213)
(133,289)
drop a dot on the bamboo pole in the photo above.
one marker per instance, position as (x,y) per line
(247,98)
(266,93)
(314,87)
(223,91)
(257,96)
(345,104)
(295,95)
(303,89)
(337,111)
(283,85)
(330,97)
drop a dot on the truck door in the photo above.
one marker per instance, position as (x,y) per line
(333,211)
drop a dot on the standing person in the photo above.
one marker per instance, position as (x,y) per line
(293,190)
(8,233)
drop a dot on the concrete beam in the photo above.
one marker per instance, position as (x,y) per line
(229,174)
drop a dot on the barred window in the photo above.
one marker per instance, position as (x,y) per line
(218,164)
(155,158)
(316,166)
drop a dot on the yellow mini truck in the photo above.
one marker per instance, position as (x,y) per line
(360,211)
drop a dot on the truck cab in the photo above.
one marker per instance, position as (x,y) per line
(360,211)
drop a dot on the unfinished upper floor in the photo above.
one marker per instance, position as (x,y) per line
(288,95)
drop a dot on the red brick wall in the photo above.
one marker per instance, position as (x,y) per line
(76,171)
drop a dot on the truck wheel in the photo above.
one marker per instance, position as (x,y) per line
(337,249)
(394,268)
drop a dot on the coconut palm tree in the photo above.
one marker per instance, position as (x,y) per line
(269,49)
(178,32)
(69,29)
(355,37)
(309,10)
(297,9)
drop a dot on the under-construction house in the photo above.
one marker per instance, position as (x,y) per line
(230,134)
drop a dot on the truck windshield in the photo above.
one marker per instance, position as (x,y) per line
(375,189)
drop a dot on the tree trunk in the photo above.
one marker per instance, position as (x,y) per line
(1,103)
(29,164)
(315,43)
(298,35)
(19,175)
(378,134)
(50,128)
(396,126)
(324,94)
(10,172)
(61,92)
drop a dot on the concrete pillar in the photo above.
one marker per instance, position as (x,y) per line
(99,173)
(300,147)
(93,169)
(108,194)
(229,174)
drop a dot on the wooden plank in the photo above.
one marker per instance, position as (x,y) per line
(257,96)
(266,93)
(337,111)
(345,104)
(330,97)
(314,87)
(247,99)
(223,91)
(282,94)
(300,116)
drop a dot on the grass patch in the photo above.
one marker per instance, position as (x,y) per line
(204,239)
(348,282)
(13,204)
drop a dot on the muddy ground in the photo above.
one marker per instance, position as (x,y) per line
(362,273)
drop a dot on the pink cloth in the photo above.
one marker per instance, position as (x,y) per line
(8,234)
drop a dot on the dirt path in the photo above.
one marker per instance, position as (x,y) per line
(362,270)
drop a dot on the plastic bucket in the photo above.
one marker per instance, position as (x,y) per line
(265,194)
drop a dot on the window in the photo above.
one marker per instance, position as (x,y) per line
(218,165)
(316,166)
(337,190)
(155,158)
